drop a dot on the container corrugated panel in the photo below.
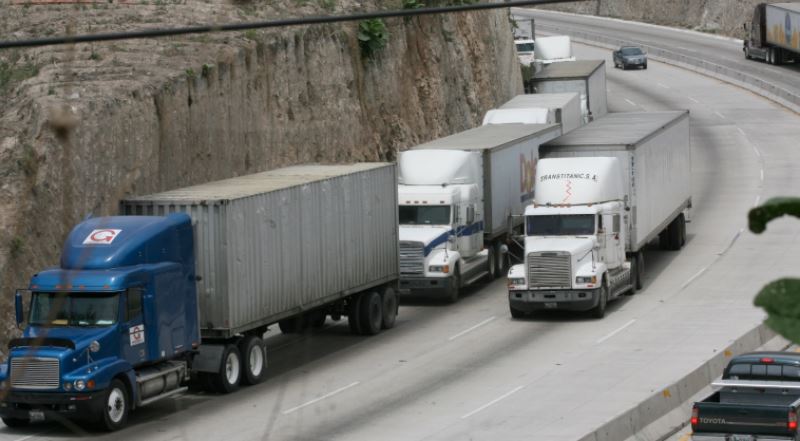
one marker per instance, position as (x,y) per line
(783,25)
(654,149)
(510,153)
(272,244)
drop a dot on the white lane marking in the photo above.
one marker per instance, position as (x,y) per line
(501,397)
(691,279)
(758,199)
(741,131)
(615,332)
(719,115)
(735,236)
(318,399)
(663,86)
(31,436)
(471,328)
(630,102)
(755,149)
(693,100)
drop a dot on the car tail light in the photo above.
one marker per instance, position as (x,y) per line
(792,424)
(695,415)
(767,360)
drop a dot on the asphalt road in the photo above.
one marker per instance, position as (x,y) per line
(716,49)
(467,371)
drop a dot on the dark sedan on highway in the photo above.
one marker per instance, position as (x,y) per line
(630,56)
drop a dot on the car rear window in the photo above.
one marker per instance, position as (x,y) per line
(759,371)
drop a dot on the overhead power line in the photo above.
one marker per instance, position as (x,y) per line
(300,21)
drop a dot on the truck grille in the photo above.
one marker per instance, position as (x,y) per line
(35,373)
(412,258)
(549,270)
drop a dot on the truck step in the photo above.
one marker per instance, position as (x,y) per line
(164,395)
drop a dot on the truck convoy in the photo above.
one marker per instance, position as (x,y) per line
(457,196)
(185,283)
(541,108)
(758,398)
(603,192)
(774,33)
(586,77)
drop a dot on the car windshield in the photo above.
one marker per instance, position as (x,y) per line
(560,225)
(524,47)
(424,215)
(631,51)
(74,309)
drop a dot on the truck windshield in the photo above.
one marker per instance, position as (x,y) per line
(631,51)
(424,215)
(74,309)
(561,225)
(524,47)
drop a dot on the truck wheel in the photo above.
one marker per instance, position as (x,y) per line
(115,407)
(454,290)
(230,372)
(491,264)
(599,311)
(353,314)
(639,270)
(15,422)
(515,313)
(502,260)
(255,359)
(390,306)
(634,274)
(371,313)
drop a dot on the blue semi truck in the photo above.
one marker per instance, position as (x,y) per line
(183,286)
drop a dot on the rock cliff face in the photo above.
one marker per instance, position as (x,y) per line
(82,127)
(723,17)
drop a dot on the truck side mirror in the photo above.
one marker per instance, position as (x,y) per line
(18,308)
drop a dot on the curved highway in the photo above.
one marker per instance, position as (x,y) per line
(468,371)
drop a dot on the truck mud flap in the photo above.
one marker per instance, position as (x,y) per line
(208,358)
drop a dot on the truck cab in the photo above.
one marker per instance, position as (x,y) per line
(441,220)
(575,236)
(107,330)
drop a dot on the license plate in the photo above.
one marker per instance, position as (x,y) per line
(36,415)
(551,305)
(742,438)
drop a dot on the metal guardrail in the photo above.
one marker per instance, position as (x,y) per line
(780,95)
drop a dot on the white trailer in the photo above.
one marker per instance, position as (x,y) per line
(553,49)
(543,108)
(457,196)
(586,77)
(603,192)
(774,33)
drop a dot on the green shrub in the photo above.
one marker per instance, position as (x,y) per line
(372,36)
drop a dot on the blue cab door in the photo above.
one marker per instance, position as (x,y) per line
(133,344)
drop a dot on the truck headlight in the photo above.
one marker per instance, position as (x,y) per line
(439,268)
(67,386)
(514,282)
(80,385)
(585,279)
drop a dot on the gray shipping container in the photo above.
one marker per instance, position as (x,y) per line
(509,156)
(586,77)
(273,244)
(655,152)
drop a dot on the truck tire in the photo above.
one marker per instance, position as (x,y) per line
(599,311)
(371,313)
(254,356)
(230,371)
(634,273)
(353,314)
(116,406)
(502,260)
(663,239)
(674,235)
(390,307)
(16,422)
(639,270)
(454,290)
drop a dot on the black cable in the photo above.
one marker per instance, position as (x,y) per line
(151,33)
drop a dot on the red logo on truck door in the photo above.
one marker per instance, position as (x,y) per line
(527,176)
(101,237)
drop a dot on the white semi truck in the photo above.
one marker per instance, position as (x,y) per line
(603,192)
(457,196)
(541,108)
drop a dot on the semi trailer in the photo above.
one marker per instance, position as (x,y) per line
(539,108)
(585,77)
(773,35)
(603,192)
(183,284)
(457,198)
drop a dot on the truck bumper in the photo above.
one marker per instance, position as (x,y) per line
(36,406)
(569,300)
(423,284)
(731,437)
